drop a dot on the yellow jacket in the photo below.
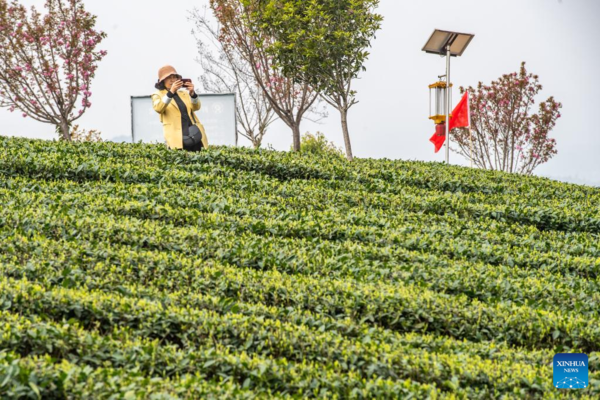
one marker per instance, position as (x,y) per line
(170,116)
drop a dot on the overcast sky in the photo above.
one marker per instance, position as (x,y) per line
(558,40)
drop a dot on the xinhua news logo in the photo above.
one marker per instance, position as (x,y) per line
(570,371)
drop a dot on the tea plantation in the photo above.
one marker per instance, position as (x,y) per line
(132,271)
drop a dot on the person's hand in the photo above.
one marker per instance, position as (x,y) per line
(176,86)
(190,87)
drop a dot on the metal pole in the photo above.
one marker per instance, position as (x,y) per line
(448,104)
(470,129)
(132,131)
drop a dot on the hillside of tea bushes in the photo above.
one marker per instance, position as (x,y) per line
(131,271)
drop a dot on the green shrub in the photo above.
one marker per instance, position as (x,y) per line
(318,144)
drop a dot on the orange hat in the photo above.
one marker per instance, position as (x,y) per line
(165,71)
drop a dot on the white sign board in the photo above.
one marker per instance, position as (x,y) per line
(217,114)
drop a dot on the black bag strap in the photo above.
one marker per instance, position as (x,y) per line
(194,114)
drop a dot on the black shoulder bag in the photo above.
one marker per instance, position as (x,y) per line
(194,135)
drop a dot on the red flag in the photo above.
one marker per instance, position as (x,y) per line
(459,119)
(460,114)
(439,137)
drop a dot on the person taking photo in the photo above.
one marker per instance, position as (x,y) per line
(176,102)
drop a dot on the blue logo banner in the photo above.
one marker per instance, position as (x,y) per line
(571,371)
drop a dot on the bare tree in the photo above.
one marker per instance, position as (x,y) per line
(225,72)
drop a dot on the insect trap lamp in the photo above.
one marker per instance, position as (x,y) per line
(448,44)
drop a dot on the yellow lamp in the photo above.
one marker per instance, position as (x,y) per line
(437,101)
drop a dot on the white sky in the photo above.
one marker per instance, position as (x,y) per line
(558,40)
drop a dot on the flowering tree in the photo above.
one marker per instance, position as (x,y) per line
(241,33)
(228,72)
(47,62)
(506,136)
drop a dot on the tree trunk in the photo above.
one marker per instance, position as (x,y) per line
(257,141)
(344,114)
(296,136)
(65,130)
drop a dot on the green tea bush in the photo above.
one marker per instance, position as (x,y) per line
(132,271)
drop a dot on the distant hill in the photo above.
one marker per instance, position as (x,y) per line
(133,271)
(120,139)
(591,181)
